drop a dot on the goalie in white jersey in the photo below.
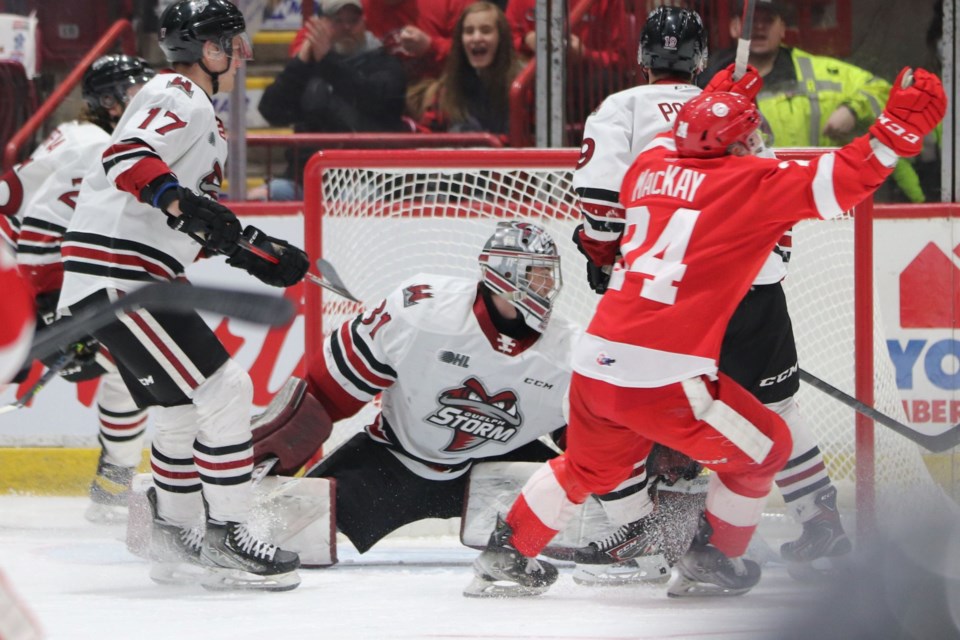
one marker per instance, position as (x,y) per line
(39,196)
(468,371)
(758,351)
(145,211)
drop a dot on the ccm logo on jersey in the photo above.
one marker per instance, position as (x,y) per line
(475,416)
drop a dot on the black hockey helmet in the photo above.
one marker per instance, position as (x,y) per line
(106,82)
(673,40)
(186,25)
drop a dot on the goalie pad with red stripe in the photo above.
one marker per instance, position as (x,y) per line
(293,427)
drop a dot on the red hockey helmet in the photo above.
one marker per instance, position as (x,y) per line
(707,125)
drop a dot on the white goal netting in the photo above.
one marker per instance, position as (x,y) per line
(384,217)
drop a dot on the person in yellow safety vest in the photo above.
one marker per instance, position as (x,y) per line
(809,100)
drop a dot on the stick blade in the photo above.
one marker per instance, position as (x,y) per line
(329,273)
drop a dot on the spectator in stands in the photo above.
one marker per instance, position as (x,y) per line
(599,38)
(418,32)
(473,94)
(845,101)
(342,80)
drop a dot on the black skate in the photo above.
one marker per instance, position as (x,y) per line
(174,550)
(705,571)
(503,572)
(236,560)
(813,555)
(631,555)
(109,493)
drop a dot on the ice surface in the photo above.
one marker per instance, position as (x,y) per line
(81,582)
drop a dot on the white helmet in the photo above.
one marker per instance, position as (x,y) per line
(507,262)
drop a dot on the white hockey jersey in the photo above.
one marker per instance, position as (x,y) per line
(613,136)
(454,388)
(116,241)
(42,193)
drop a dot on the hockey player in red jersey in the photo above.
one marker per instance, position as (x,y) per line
(144,213)
(469,371)
(702,215)
(759,351)
(16,310)
(42,193)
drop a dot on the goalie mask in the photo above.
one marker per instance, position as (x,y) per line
(520,262)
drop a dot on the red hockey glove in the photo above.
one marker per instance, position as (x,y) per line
(598,277)
(748,86)
(291,263)
(913,110)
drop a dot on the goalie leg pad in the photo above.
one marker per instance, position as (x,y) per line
(292,428)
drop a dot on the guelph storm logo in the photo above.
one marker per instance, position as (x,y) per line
(475,416)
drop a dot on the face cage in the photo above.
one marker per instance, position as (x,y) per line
(509,274)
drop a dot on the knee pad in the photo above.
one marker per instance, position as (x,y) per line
(292,428)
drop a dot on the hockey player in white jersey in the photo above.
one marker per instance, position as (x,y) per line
(468,371)
(40,195)
(144,213)
(758,351)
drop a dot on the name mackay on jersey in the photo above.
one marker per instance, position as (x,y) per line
(674,182)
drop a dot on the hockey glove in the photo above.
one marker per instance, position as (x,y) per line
(597,277)
(913,110)
(748,86)
(207,221)
(291,263)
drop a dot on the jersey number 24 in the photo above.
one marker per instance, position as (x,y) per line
(663,260)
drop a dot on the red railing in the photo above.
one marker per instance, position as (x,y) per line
(120,30)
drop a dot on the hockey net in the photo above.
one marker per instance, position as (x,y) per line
(381,217)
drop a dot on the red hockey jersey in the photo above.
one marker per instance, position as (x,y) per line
(697,233)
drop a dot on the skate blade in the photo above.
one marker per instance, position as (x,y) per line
(638,571)
(220,579)
(682,587)
(485,588)
(106,514)
(177,573)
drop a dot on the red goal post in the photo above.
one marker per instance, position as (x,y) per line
(383,216)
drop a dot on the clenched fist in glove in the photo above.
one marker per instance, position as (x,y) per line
(289,268)
(748,86)
(205,220)
(911,113)
(598,277)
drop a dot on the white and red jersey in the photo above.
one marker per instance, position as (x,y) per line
(116,241)
(42,195)
(697,233)
(454,388)
(613,135)
(16,317)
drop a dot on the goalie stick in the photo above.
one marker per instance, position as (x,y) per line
(743,43)
(252,307)
(937,444)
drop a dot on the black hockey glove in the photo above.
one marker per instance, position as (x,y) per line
(207,221)
(291,265)
(82,364)
(671,465)
(597,277)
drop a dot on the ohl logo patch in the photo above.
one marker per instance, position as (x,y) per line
(475,416)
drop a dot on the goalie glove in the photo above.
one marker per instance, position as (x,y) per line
(915,107)
(597,277)
(207,221)
(748,86)
(291,263)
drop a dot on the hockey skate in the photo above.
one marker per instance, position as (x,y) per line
(630,555)
(236,560)
(109,493)
(174,550)
(814,554)
(503,572)
(705,571)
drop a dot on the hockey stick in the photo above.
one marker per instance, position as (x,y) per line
(166,296)
(937,444)
(328,278)
(743,43)
(48,375)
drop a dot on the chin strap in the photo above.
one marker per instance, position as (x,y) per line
(214,76)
